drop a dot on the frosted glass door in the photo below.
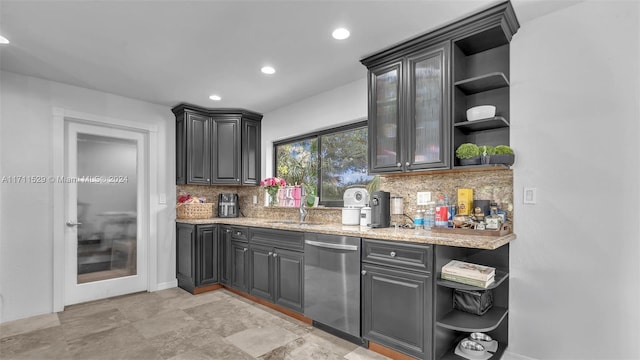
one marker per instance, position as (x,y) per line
(107,203)
(428,132)
(385,108)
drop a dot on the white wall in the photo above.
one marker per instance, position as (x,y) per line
(26,239)
(575,96)
(575,267)
(343,105)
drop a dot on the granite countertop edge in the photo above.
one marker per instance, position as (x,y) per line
(406,235)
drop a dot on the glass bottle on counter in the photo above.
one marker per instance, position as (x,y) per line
(429,215)
(418,221)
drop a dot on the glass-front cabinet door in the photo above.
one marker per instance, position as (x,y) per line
(427,129)
(385,114)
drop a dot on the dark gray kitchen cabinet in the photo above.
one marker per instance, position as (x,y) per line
(451,324)
(240,265)
(261,279)
(226,149)
(217,146)
(196,255)
(289,279)
(277,267)
(420,89)
(251,157)
(397,288)
(224,234)
(409,121)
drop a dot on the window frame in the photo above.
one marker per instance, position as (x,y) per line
(318,135)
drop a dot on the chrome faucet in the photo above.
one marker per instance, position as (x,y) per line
(303,201)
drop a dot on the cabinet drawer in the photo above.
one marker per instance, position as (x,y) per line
(240,233)
(284,239)
(398,254)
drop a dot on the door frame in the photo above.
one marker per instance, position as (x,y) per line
(59,116)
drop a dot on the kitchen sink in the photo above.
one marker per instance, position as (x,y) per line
(293,223)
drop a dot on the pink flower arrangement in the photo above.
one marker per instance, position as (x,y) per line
(272,185)
(273,181)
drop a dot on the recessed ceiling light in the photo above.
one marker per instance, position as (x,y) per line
(215,98)
(340,33)
(3,40)
(268,70)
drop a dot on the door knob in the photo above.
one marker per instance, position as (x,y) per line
(72,224)
(275,255)
(392,254)
(364,272)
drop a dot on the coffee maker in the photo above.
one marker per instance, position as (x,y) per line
(380,215)
(228,205)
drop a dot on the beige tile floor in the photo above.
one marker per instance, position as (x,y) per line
(172,324)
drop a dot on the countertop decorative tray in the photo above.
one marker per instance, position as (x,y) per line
(504,230)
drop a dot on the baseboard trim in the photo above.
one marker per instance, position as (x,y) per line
(166,285)
(383,350)
(508,355)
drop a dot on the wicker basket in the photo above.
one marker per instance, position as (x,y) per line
(194,211)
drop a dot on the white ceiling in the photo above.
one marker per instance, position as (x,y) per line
(168,52)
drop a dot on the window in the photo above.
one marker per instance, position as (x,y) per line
(328,161)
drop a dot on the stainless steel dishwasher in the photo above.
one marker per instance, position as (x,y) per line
(332,284)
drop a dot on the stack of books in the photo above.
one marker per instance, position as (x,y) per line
(468,273)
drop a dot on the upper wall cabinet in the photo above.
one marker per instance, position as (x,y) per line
(217,146)
(419,92)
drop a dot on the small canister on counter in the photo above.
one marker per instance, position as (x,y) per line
(365,216)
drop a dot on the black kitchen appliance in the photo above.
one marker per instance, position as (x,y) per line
(380,214)
(228,205)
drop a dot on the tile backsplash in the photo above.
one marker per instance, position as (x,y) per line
(494,185)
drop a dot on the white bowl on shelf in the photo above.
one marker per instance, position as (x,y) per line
(481,112)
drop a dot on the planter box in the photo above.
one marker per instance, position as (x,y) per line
(506,159)
(472,161)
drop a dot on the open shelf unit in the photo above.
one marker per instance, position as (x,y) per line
(452,325)
(481,77)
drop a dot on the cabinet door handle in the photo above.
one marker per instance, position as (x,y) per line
(238,233)
(208,179)
(407,163)
(270,253)
(392,254)
(227,231)
(399,164)
(244,250)
(275,255)
(363,272)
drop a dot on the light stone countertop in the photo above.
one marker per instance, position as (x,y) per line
(409,235)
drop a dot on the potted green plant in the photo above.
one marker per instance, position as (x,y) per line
(468,153)
(503,155)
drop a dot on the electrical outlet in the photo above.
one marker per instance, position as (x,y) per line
(423,197)
(255,199)
(162,199)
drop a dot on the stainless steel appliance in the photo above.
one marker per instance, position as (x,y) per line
(332,284)
(380,216)
(228,205)
(354,199)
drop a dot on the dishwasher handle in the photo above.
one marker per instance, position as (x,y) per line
(331,246)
